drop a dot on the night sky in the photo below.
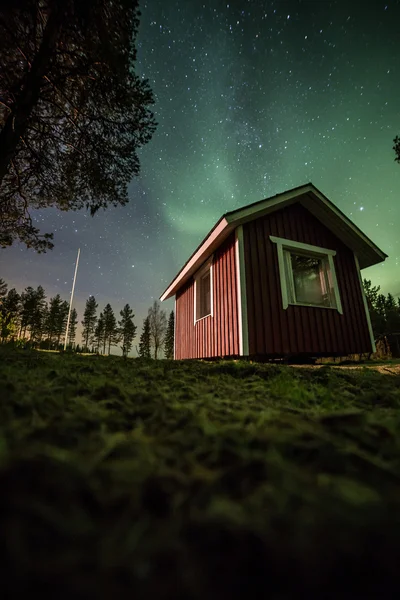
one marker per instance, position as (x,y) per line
(252,98)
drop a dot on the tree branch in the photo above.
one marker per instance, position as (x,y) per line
(62,94)
(57,137)
(21,193)
(66,115)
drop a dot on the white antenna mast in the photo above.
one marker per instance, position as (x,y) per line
(70,302)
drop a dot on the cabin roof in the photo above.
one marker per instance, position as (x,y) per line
(312,199)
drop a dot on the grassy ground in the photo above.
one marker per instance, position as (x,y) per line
(194,480)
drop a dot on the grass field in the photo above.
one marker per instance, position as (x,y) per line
(196,480)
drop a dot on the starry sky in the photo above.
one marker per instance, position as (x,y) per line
(252,98)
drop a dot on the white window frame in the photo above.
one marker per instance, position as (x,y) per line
(285,268)
(207,266)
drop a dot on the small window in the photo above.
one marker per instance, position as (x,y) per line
(307,275)
(309,280)
(203,291)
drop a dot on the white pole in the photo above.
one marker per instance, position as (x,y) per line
(70,302)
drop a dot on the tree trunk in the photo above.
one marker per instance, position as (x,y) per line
(109,345)
(104,345)
(17,121)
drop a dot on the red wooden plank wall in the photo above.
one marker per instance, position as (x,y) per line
(299,329)
(217,335)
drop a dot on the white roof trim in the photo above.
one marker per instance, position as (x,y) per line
(307,195)
(248,212)
(208,246)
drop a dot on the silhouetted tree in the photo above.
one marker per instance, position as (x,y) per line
(144,343)
(169,337)
(33,312)
(61,323)
(73,113)
(396,148)
(27,307)
(110,328)
(379,315)
(158,327)
(99,333)
(127,329)
(3,288)
(39,315)
(89,321)
(384,310)
(392,314)
(9,314)
(376,307)
(52,319)
(73,322)
(371,292)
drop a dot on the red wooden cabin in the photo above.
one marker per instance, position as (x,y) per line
(280,277)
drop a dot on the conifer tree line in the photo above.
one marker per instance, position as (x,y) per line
(384,310)
(42,322)
(31,318)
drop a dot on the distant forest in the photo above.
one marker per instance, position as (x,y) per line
(29,319)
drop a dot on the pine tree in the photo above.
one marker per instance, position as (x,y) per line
(127,329)
(52,320)
(73,112)
(144,343)
(110,328)
(73,322)
(376,303)
(390,303)
(61,324)
(169,338)
(38,321)
(396,148)
(378,315)
(371,293)
(158,327)
(99,333)
(27,308)
(384,310)
(9,314)
(3,289)
(33,312)
(392,314)
(89,321)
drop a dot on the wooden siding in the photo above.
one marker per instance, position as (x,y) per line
(217,335)
(299,329)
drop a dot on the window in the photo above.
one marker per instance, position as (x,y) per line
(307,275)
(203,292)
